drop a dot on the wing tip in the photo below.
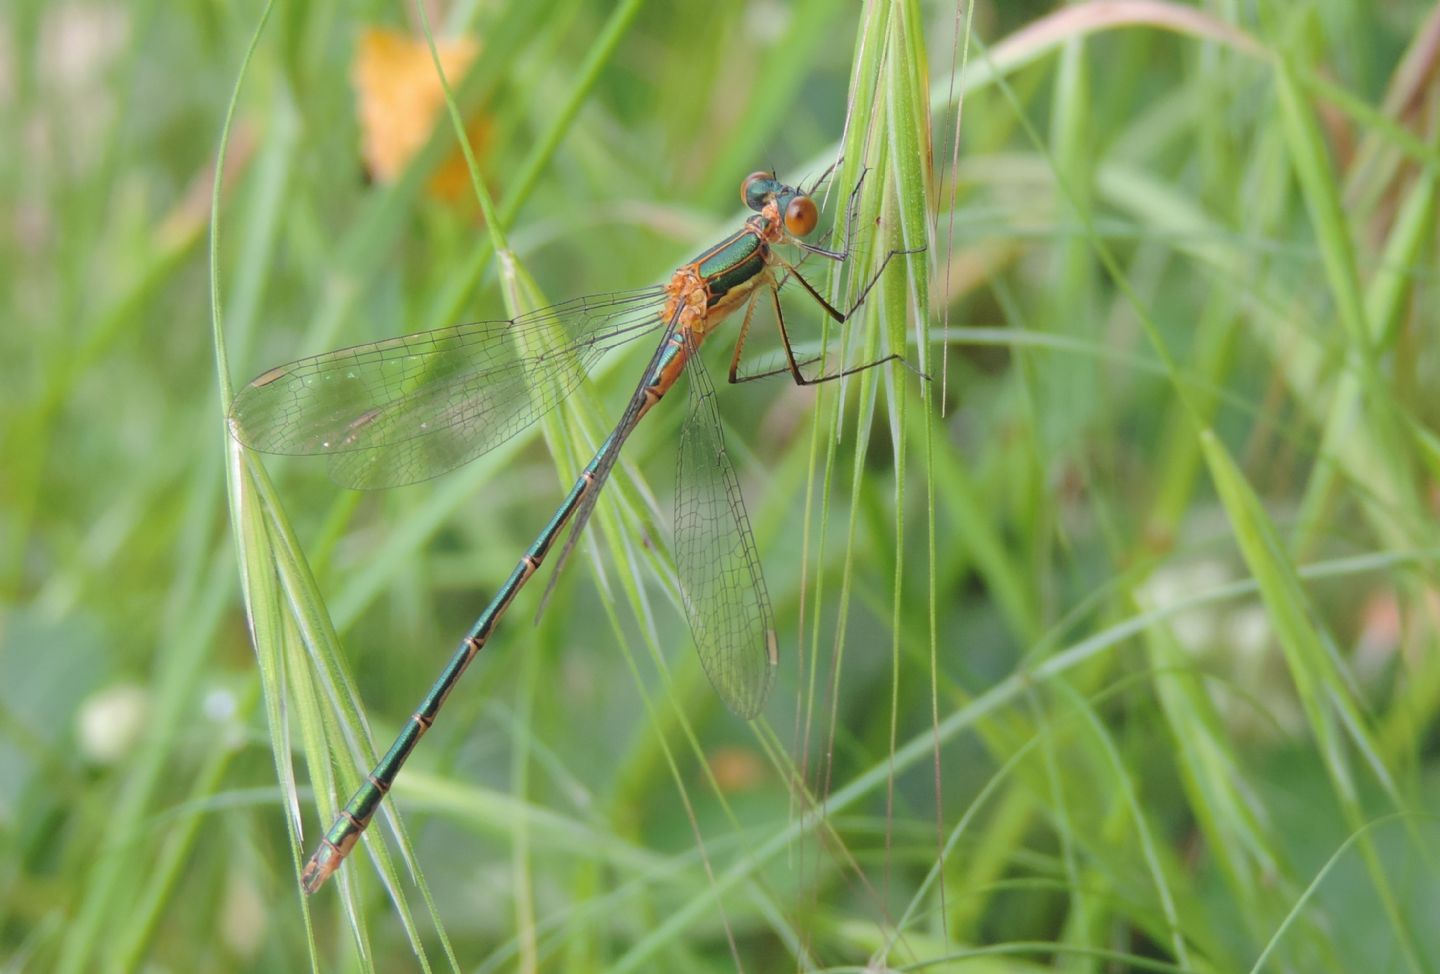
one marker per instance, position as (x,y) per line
(750,701)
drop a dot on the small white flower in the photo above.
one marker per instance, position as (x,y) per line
(219,705)
(1196,629)
(111,720)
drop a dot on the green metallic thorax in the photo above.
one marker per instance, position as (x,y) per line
(735,261)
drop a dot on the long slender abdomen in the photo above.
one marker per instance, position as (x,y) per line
(355,817)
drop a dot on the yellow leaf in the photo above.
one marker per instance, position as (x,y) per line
(399,98)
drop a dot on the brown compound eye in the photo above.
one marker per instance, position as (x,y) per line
(801,216)
(756,187)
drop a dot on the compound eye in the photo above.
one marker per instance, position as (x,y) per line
(755,188)
(801,216)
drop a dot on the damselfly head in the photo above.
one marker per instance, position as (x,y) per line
(794,206)
(760,188)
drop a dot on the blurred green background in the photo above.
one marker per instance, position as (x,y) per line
(1143,577)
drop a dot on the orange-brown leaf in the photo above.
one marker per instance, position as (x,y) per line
(399,98)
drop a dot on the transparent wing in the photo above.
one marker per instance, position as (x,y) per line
(605,459)
(719,568)
(407,409)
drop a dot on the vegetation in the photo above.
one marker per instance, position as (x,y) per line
(1109,646)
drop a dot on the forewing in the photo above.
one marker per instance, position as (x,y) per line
(406,409)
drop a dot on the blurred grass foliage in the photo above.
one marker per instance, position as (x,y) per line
(1144,576)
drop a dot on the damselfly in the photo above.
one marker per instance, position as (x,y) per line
(407,409)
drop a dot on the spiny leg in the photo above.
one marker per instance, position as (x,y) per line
(852,207)
(734,377)
(840,318)
(740,340)
(771,373)
(791,365)
(820,179)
